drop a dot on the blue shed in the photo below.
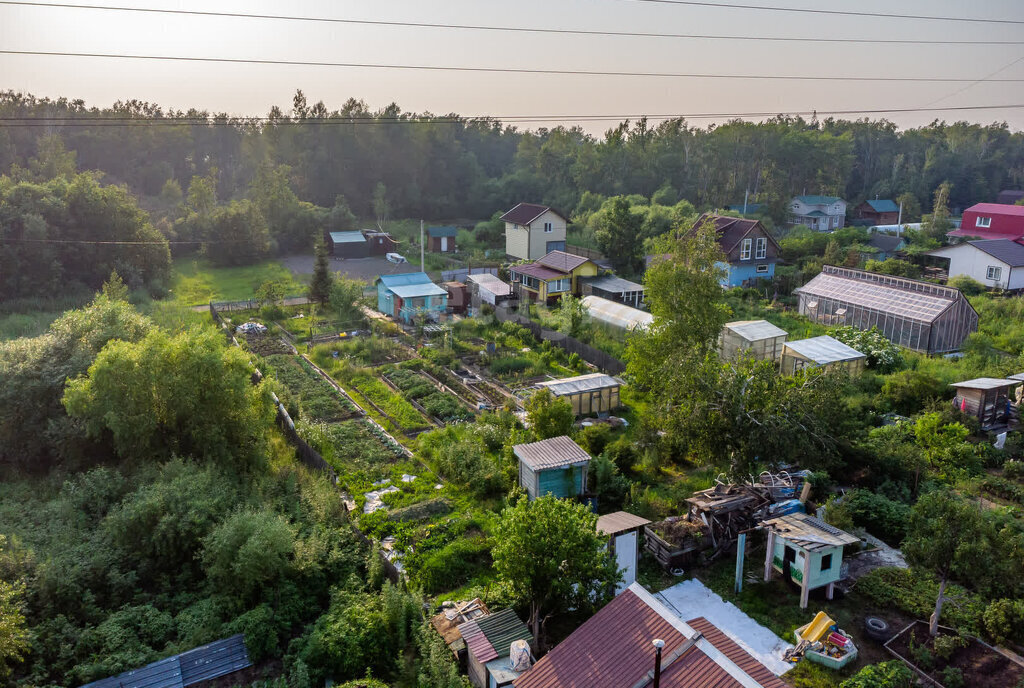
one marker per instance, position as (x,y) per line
(556,466)
(805,550)
(405,296)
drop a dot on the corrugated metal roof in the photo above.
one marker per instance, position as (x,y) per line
(987,383)
(809,532)
(824,350)
(348,237)
(476,642)
(618,522)
(404,278)
(219,658)
(883,205)
(555,452)
(613,283)
(581,383)
(997,209)
(525,213)
(818,200)
(562,261)
(502,629)
(903,302)
(756,330)
(617,314)
(1018,376)
(411,291)
(445,231)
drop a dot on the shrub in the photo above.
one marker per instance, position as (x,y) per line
(1014,469)
(879,515)
(509,365)
(595,438)
(891,674)
(1004,621)
(953,678)
(945,646)
(908,391)
(914,593)
(968,285)
(882,354)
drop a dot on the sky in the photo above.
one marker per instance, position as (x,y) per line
(251,89)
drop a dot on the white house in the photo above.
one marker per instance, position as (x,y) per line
(996,263)
(532,231)
(820,213)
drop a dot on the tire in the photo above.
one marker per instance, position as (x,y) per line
(877,629)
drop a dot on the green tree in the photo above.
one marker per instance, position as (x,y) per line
(572,314)
(939,224)
(911,207)
(948,537)
(146,396)
(938,439)
(250,551)
(322,282)
(52,160)
(238,234)
(548,415)
(114,288)
(549,554)
(345,297)
(619,235)
(833,253)
(14,634)
(271,292)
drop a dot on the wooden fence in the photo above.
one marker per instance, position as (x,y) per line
(601,359)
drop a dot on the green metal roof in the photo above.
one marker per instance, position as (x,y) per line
(818,200)
(883,205)
(816,213)
(347,237)
(445,231)
(502,628)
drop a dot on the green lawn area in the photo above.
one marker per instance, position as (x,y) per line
(195,281)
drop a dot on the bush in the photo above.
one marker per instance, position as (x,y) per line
(968,285)
(451,566)
(880,516)
(953,678)
(891,674)
(509,365)
(595,438)
(914,593)
(882,354)
(908,391)
(1004,621)
(1014,469)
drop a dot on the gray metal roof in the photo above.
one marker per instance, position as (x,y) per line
(348,237)
(619,522)
(1018,376)
(556,452)
(410,291)
(219,658)
(808,532)
(910,304)
(581,383)
(492,284)
(756,330)
(987,383)
(1005,250)
(613,283)
(824,350)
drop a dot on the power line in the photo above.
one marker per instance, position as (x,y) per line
(508,29)
(497,70)
(90,121)
(843,13)
(975,83)
(12,240)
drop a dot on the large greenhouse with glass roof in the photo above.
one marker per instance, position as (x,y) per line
(922,316)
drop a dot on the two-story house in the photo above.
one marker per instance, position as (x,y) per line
(992,221)
(820,213)
(552,275)
(532,231)
(750,251)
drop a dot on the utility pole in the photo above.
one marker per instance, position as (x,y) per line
(421,247)
(745,194)
(899,220)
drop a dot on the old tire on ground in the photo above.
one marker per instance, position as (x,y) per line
(877,629)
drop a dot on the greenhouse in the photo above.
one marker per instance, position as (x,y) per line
(922,316)
(758,337)
(616,314)
(594,393)
(819,352)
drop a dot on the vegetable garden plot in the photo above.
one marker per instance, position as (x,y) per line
(388,402)
(441,405)
(317,400)
(352,447)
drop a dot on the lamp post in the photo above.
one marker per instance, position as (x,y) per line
(659,644)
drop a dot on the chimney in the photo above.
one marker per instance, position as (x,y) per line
(659,644)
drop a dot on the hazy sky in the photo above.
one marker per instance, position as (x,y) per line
(252,89)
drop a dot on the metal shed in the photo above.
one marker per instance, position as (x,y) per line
(820,351)
(926,317)
(987,399)
(593,393)
(613,288)
(556,466)
(210,661)
(349,245)
(762,339)
(617,314)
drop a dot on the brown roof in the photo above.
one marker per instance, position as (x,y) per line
(449,627)
(731,230)
(551,453)
(562,261)
(613,648)
(536,270)
(619,522)
(525,213)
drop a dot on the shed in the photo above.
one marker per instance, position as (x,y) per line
(381,243)
(923,316)
(204,663)
(556,466)
(408,295)
(487,288)
(762,339)
(594,393)
(441,239)
(807,551)
(457,296)
(987,399)
(820,351)
(616,314)
(349,245)
(624,531)
(488,642)
(447,623)
(613,288)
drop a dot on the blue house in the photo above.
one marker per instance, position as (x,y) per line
(750,251)
(406,296)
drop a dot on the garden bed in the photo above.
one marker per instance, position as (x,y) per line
(352,447)
(415,387)
(953,661)
(317,399)
(265,343)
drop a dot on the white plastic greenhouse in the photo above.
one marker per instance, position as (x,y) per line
(616,314)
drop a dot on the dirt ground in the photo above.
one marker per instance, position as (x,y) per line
(364,269)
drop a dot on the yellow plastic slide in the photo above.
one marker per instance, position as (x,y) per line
(818,628)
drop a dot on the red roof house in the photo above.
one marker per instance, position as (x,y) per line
(992,221)
(614,648)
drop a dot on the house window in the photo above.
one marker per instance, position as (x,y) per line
(994,272)
(984,222)
(762,268)
(762,248)
(826,562)
(559,285)
(745,250)
(548,228)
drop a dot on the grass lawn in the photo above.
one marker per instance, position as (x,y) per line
(196,282)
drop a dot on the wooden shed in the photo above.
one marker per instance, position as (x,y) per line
(595,393)
(488,645)
(989,400)
(453,615)
(823,351)
(441,239)
(381,243)
(807,551)
(556,466)
(763,340)
(458,298)
(625,534)
(349,245)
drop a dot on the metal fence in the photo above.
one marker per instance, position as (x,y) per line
(601,359)
(460,274)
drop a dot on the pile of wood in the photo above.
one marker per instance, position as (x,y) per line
(728,510)
(675,541)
